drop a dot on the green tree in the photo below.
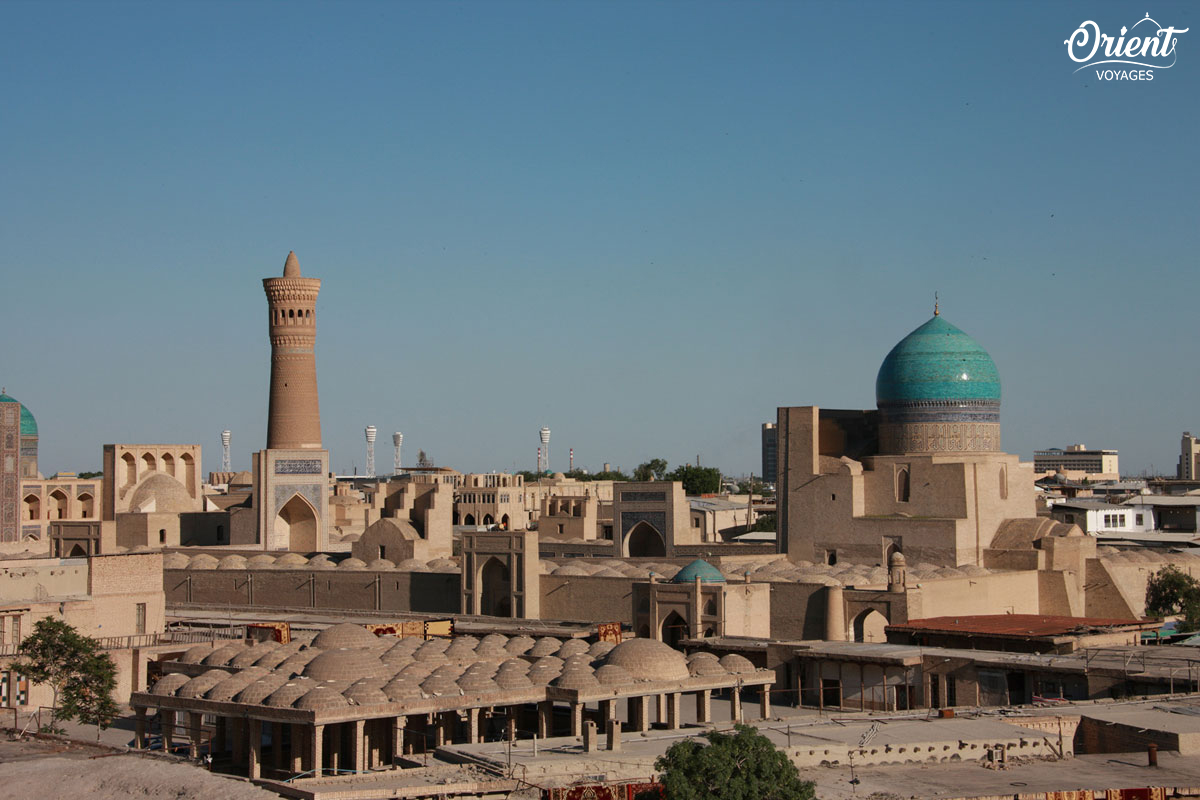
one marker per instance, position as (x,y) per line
(653,470)
(81,676)
(744,766)
(764,523)
(697,480)
(1171,591)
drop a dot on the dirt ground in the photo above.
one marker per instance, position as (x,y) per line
(57,770)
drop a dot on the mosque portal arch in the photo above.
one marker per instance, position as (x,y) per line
(644,541)
(495,582)
(296,524)
(674,629)
(868,626)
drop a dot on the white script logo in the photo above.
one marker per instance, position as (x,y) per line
(1153,49)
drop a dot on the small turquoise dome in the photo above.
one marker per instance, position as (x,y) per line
(936,362)
(28,423)
(701,569)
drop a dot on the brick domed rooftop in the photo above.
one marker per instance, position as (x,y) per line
(163,494)
(649,660)
(344,634)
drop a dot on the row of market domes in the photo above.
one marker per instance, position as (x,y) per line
(178,560)
(387,670)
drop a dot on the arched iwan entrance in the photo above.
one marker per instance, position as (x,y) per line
(644,541)
(296,524)
(869,625)
(495,589)
(674,628)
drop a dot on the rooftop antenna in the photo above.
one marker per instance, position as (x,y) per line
(397,440)
(226,436)
(370,431)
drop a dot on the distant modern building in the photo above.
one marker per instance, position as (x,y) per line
(1077,458)
(769,450)
(1189,458)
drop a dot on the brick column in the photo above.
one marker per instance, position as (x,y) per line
(360,754)
(704,706)
(254,767)
(398,725)
(296,760)
(139,728)
(576,719)
(545,719)
(764,702)
(673,710)
(735,704)
(472,725)
(316,750)
(167,719)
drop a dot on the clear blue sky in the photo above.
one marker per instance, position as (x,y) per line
(645,225)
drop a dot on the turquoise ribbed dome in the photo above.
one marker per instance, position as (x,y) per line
(701,569)
(935,362)
(28,423)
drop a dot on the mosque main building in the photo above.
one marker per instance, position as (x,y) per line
(922,475)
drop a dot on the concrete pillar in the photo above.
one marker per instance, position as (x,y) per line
(360,750)
(545,719)
(510,728)
(673,710)
(254,766)
(614,736)
(704,706)
(139,728)
(835,614)
(661,712)
(591,741)
(317,750)
(296,756)
(764,702)
(472,725)
(576,719)
(735,704)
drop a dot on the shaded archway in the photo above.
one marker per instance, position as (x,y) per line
(296,524)
(33,507)
(148,462)
(869,625)
(644,541)
(87,506)
(168,464)
(674,628)
(78,551)
(903,485)
(188,468)
(130,468)
(469,519)
(495,589)
(504,522)
(58,505)
(488,520)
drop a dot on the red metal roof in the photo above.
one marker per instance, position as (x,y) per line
(1015,625)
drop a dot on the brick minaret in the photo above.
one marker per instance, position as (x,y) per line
(294,418)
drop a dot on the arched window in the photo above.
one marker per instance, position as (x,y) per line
(902,485)
(1003,482)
